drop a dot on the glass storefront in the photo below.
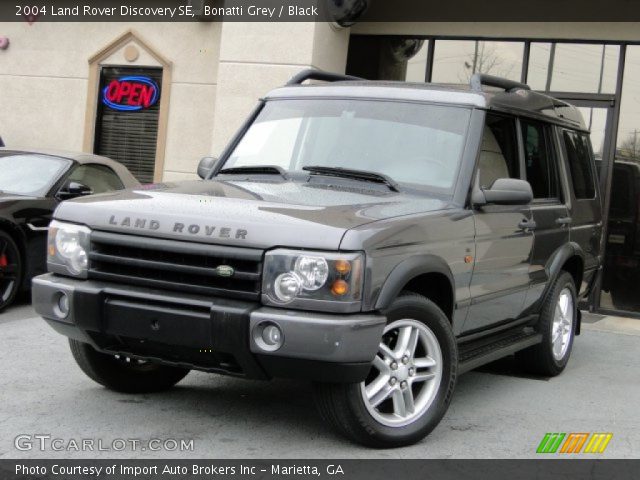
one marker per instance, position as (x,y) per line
(599,78)
(573,67)
(455,61)
(620,285)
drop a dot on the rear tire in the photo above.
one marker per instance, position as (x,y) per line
(558,319)
(409,388)
(124,376)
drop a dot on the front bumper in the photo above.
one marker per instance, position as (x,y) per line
(209,334)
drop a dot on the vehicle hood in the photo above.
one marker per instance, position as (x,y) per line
(10,203)
(10,198)
(248,213)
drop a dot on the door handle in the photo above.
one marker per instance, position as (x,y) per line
(564,221)
(527,224)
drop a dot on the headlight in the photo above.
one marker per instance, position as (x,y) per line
(314,271)
(313,280)
(67,249)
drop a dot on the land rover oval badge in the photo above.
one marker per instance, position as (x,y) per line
(225,270)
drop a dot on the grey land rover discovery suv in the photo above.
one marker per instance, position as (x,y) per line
(376,238)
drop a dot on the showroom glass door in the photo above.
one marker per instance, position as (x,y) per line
(598,114)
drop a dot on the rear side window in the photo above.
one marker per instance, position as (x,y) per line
(540,159)
(99,178)
(579,156)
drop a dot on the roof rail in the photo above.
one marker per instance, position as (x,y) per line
(312,74)
(480,79)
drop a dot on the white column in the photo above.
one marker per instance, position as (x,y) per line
(257,57)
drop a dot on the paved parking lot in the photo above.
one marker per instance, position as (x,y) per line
(496,413)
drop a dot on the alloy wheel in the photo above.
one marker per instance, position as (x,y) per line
(9,270)
(405,375)
(562,327)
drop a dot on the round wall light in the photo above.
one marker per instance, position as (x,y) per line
(131,53)
(4,43)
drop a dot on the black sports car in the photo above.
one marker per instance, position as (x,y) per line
(32,183)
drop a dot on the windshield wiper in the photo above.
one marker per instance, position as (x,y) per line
(256,169)
(355,174)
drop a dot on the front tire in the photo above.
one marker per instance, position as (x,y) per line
(558,319)
(410,385)
(124,374)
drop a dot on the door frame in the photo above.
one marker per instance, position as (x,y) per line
(611,103)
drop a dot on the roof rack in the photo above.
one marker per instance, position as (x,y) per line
(312,74)
(480,79)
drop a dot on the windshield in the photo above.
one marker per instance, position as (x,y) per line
(413,144)
(24,174)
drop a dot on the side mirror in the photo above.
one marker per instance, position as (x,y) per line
(504,191)
(206,165)
(73,190)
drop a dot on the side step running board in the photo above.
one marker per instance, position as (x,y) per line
(475,354)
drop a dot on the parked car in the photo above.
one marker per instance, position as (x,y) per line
(32,184)
(376,238)
(623,238)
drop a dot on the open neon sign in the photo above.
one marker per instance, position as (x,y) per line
(130,93)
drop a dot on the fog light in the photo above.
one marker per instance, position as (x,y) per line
(62,306)
(268,336)
(272,335)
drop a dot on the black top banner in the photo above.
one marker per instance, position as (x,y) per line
(342,12)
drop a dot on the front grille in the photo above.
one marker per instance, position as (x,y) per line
(174,265)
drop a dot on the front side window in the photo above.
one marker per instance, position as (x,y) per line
(33,175)
(415,144)
(578,147)
(499,151)
(99,178)
(539,159)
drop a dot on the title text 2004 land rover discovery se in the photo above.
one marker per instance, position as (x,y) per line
(378,239)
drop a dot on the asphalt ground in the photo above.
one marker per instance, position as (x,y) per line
(497,411)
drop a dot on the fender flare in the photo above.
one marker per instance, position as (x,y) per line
(406,271)
(559,258)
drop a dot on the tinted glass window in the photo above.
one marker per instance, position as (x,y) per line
(381,57)
(578,148)
(623,198)
(411,143)
(499,151)
(98,178)
(573,67)
(30,174)
(539,159)
(455,61)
